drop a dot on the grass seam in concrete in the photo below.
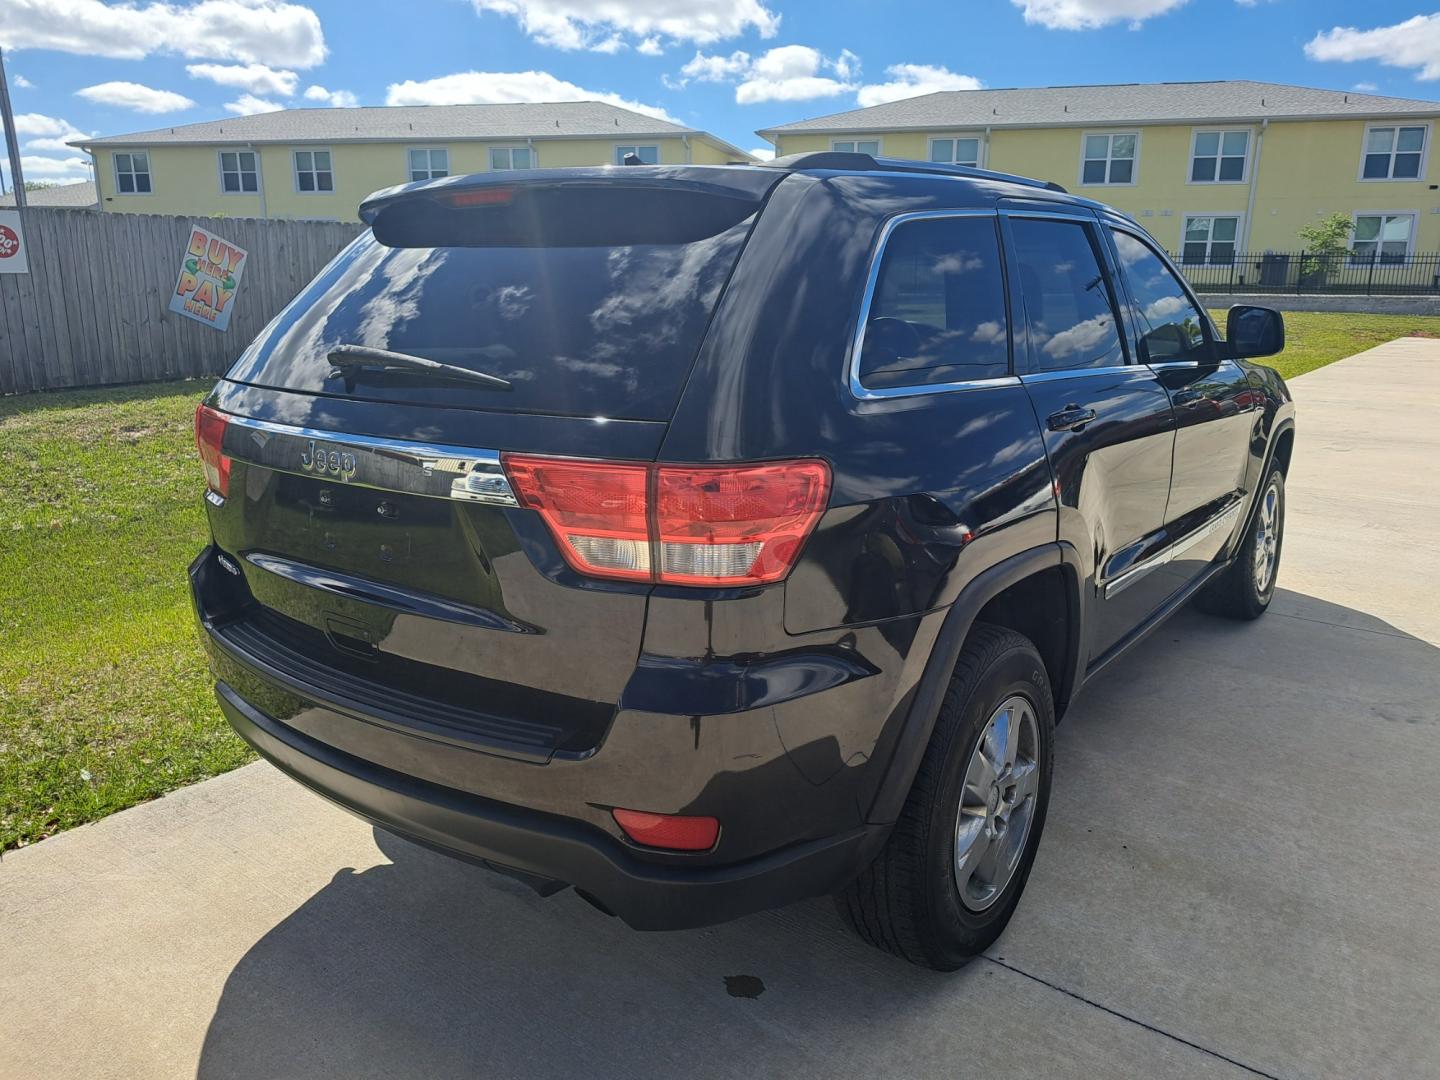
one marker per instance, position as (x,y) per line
(1131,1019)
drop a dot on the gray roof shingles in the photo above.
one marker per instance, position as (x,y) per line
(79,196)
(519,120)
(1133,103)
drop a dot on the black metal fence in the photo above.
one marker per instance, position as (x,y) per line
(1301,272)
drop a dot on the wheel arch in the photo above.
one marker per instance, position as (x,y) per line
(1012,593)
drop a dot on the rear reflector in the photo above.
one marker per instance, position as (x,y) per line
(209,437)
(671,831)
(675,524)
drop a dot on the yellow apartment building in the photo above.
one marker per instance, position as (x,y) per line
(320,163)
(1208,168)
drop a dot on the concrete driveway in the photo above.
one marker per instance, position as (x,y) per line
(1241,876)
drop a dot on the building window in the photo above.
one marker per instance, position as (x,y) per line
(429,164)
(648,155)
(132,173)
(512,157)
(856,146)
(239,172)
(1393,153)
(956,151)
(1110,159)
(1218,157)
(313,172)
(1381,237)
(1210,239)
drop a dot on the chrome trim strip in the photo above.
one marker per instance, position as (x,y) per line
(1224,518)
(434,470)
(1077,373)
(1166,365)
(857,341)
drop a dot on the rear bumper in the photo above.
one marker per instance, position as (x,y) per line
(647,895)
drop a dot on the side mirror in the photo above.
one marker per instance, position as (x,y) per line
(1254,331)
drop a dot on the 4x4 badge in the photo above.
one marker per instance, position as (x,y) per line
(322,462)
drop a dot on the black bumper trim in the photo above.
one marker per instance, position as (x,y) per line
(646,895)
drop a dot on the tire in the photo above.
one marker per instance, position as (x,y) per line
(909,900)
(1242,590)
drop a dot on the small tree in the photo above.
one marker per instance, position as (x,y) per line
(1324,241)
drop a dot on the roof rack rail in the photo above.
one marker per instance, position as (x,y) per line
(844,161)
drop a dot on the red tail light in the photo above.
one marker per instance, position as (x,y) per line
(209,437)
(675,524)
(673,831)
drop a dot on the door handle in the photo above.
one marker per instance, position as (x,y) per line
(1189,397)
(1070,418)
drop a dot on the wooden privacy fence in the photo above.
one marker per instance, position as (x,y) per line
(94,308)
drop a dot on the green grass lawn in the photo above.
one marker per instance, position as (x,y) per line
(1316,338)
(104,697)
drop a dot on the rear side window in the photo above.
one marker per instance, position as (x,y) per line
(1069,308)
(1167,326)
(938,311)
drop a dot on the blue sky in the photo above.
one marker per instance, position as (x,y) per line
(729,66)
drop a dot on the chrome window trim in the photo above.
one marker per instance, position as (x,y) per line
(1171,552)
(434,470)
(1077,373)
(1168,365)
(857,341)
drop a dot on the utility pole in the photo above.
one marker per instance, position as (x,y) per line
(12,142)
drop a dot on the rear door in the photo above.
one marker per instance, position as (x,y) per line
(1105,419)
(386,565)
(1213,402)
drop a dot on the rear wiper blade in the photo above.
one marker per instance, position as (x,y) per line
(362,356)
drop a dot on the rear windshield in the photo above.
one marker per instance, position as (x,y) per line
(597,330)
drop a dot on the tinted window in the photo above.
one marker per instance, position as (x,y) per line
(1068,306)
(938,312)
(604,329)
(1167,325)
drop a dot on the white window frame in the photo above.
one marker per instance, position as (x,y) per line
(1195,134)
(1396,125)
(115,170)
(295,169)
(510,149)
(1191,215)
(1413,215)
(1086,136)
(220,172)
(429,171)
(978,136)
(617,153)
(855,140)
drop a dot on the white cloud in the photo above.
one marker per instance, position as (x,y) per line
(137,96)
(489,87)
(48,134)
(764,153)
(252,78)
(1414,43)
(248,104)
(785,73)
(582,24)
(650,47)
(340,99)
(255,31)
(46,168)
(23,83)
(57,144)
(1090,14)
(1366,88)
(912,80)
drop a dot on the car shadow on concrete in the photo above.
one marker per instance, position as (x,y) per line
(427,966)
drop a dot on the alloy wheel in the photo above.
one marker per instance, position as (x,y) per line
(1267,539)
(997,804)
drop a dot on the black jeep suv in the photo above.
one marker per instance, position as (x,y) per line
(705,538)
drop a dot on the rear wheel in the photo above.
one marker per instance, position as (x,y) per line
(951,873)
(1246,587)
